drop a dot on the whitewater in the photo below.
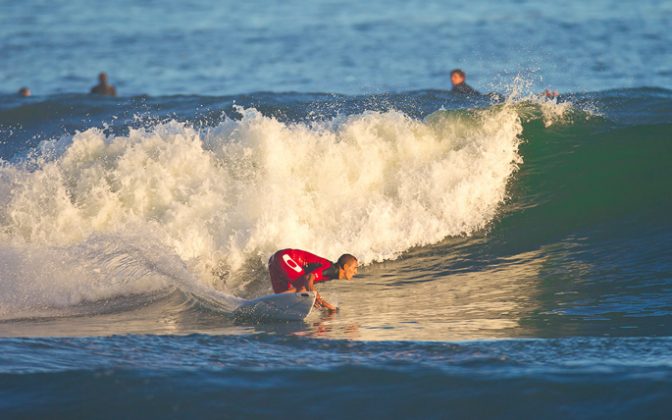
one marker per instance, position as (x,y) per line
(214,203)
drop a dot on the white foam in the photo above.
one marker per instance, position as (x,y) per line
(37,279)
(374,184)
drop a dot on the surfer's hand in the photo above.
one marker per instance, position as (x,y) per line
(328,306)
(321,303)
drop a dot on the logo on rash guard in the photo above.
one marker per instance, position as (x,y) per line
(291,263)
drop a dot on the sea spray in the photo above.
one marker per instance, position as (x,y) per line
(56,281)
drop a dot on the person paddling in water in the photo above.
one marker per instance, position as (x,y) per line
(459,80)
(295,270)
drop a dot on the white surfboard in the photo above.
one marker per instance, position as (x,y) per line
(282,306)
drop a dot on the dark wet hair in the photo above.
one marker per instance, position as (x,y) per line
(345,259)
(458,71)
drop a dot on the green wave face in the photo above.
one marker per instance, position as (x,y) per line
(594,187)
(587,174)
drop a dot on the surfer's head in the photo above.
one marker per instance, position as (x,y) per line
(347,266)
(457,77)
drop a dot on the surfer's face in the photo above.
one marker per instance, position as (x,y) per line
(350,270)
(456,79)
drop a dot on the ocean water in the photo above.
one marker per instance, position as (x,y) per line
(516,249)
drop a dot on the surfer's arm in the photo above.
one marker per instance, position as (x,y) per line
(310,285)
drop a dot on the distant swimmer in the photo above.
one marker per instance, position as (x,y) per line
(295,270)
(457,78)
(103,87)
(24,92)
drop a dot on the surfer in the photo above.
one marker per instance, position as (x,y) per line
(295,270)
(24,92)
(103,87)
(458,79)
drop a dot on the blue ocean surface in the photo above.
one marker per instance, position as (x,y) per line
(516,248)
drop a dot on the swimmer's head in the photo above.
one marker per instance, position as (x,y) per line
(102,77)
(457,77)
(24,91)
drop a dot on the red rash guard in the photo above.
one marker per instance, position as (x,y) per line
(288,265)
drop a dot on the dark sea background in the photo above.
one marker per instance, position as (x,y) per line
(517,249)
